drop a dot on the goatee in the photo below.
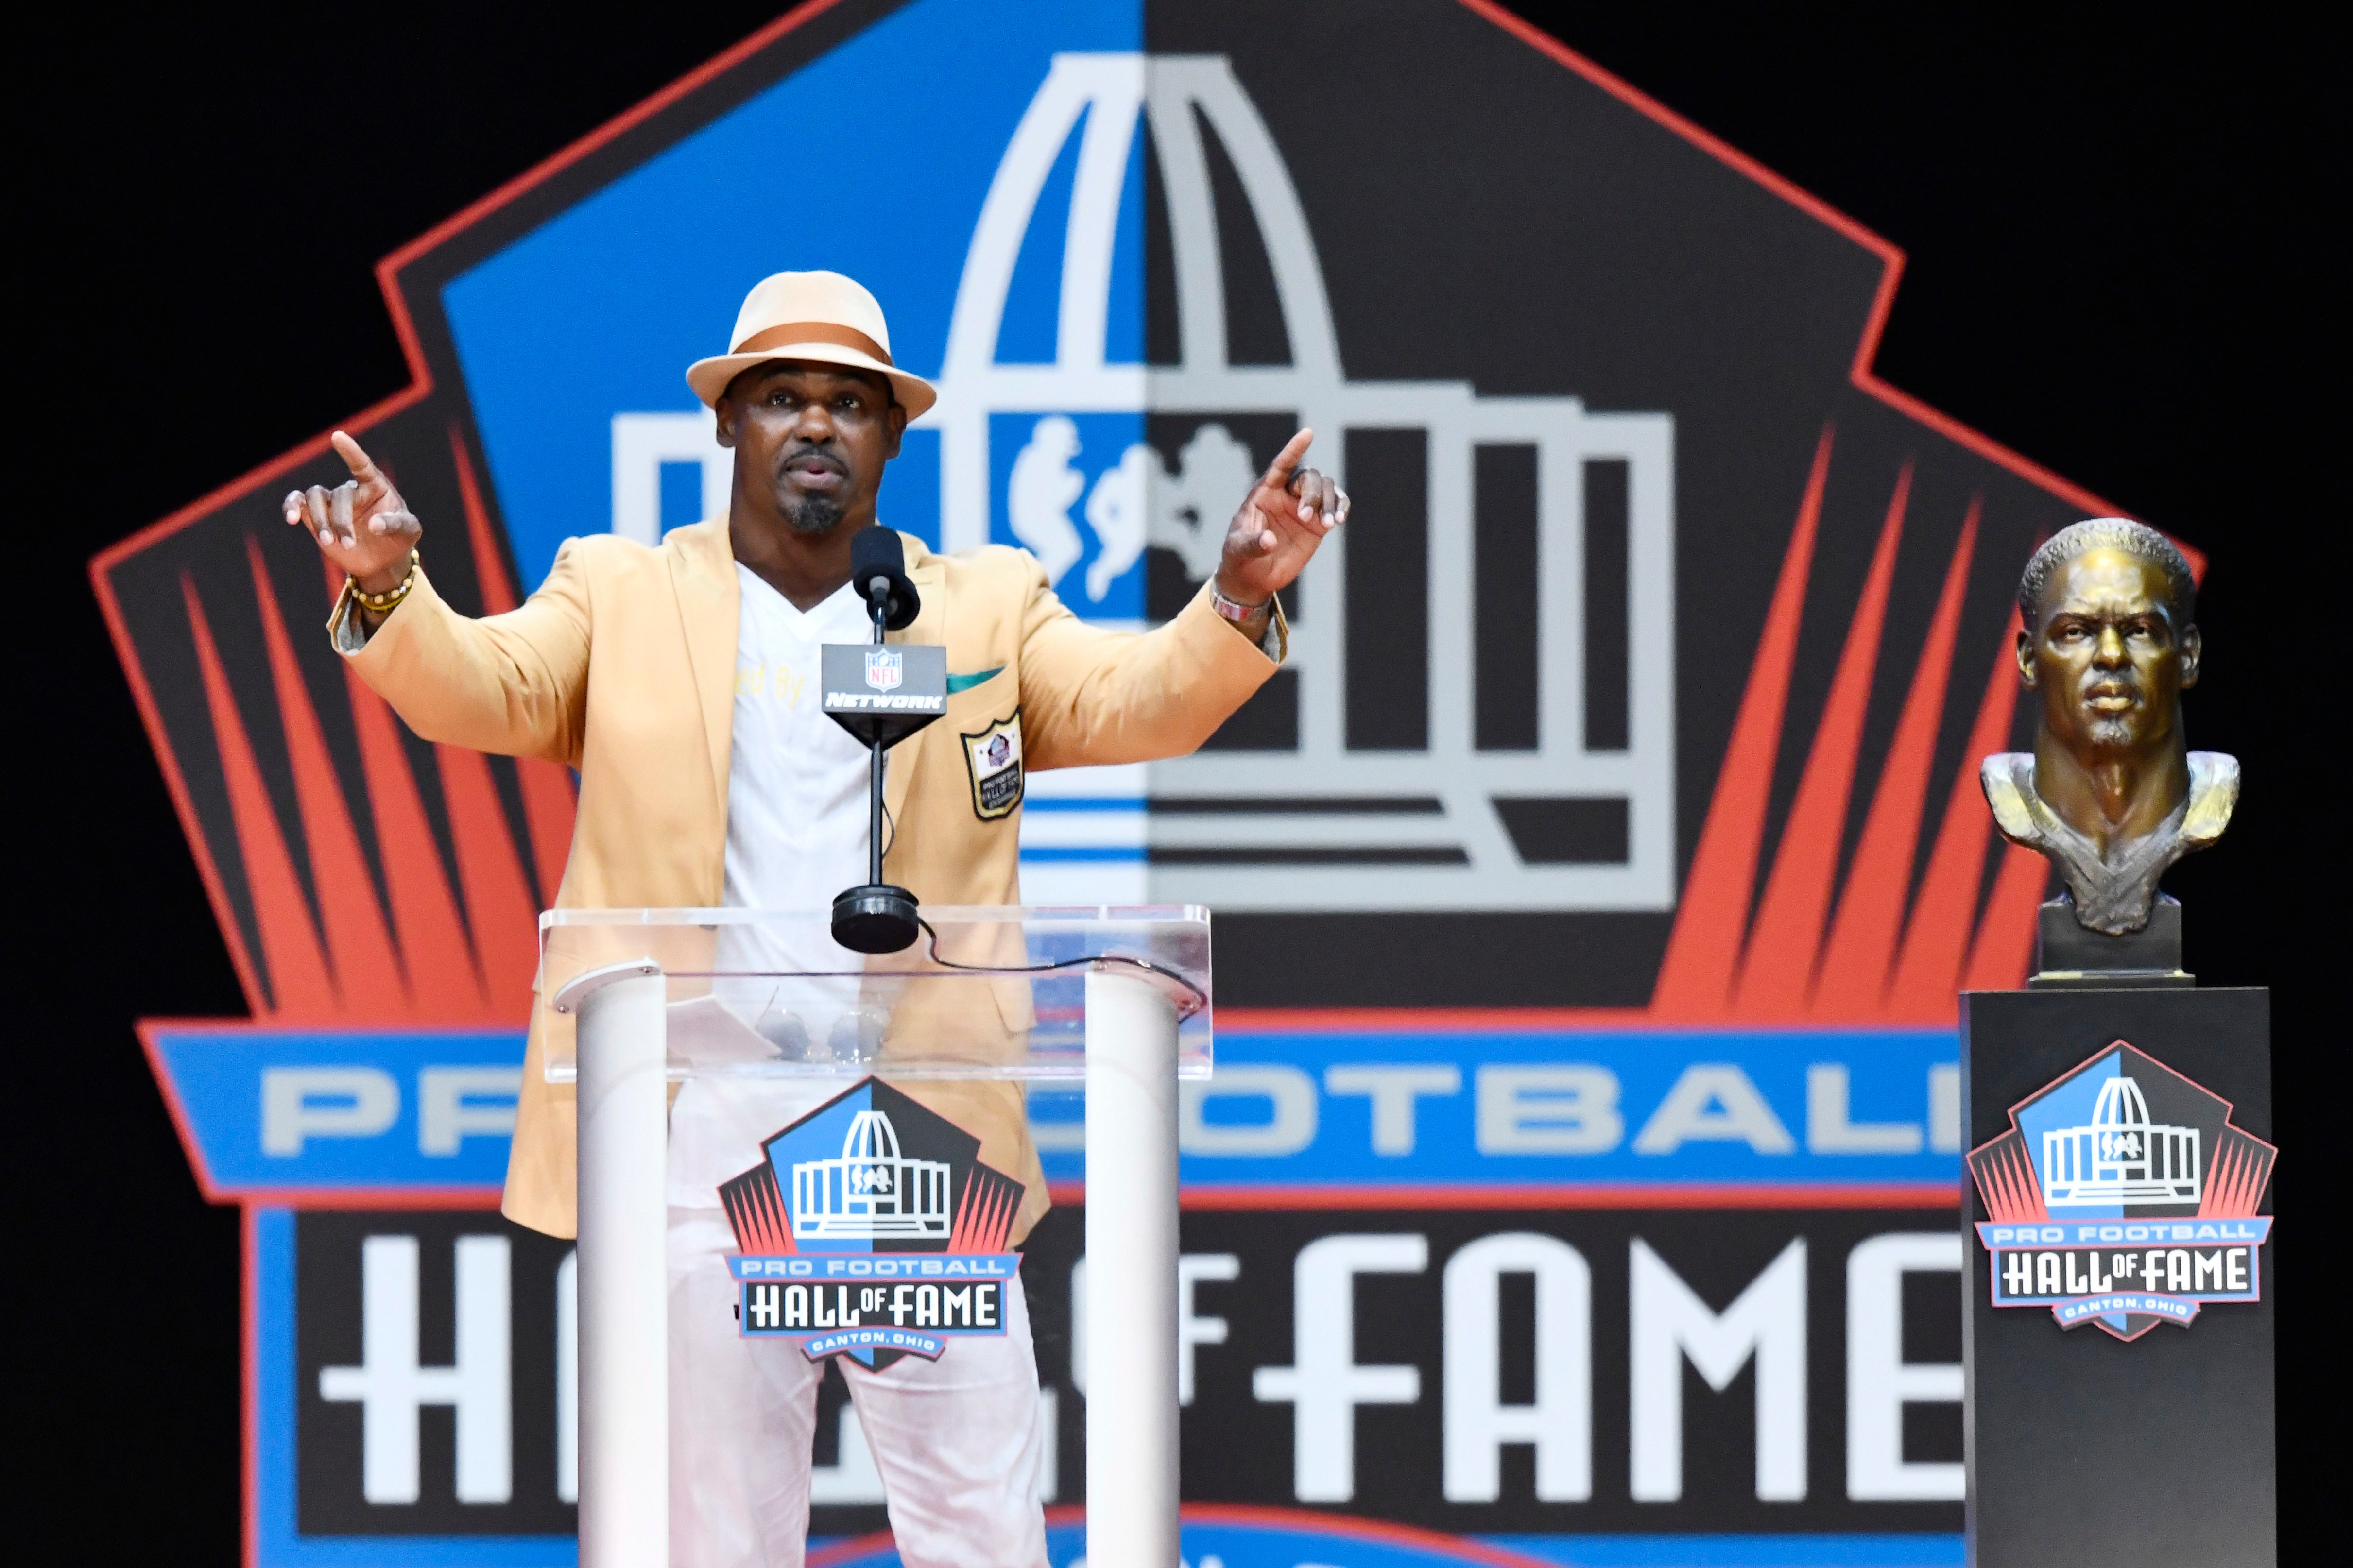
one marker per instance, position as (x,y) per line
(812,514)
(2117,733)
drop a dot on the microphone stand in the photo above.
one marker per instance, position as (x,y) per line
(878,917)
(880,598)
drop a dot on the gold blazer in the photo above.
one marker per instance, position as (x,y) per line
(622,667)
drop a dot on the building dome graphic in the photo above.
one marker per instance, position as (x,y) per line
(2120,1156)
(1443,845)
(871,1192)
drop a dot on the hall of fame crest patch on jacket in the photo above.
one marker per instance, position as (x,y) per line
(993,755)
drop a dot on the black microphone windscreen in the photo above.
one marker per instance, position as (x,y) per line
(874,551)
(879,552)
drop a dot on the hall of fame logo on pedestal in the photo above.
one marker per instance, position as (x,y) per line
(872,1230)
(2121,1195)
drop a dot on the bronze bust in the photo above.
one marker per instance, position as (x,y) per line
(2111,794)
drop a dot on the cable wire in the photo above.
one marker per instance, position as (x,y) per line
(1149,966)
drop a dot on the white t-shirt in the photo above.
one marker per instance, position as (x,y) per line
(797,830)
(797,782)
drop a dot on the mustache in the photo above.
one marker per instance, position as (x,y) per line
(822,452)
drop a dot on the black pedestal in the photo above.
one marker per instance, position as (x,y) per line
(2071,958)
(2086,1448)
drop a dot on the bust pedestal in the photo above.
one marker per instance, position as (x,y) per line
(2071,957)
(2083,1447)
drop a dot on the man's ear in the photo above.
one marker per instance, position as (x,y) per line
(2026,658)
(725,412)
(2192,646)
(895,421)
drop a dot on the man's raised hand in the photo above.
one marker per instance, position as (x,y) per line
(362,525)
(1281,521)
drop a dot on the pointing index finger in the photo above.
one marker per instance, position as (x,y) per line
(1278,477)
(362,466)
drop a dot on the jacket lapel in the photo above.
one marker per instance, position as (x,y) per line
(703,573)
(929,627)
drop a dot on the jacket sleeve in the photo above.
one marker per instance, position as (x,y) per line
(1090,696)
(515,684)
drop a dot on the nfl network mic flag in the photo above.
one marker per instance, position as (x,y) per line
(1596,877)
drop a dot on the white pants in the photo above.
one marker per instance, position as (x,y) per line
(957,1440)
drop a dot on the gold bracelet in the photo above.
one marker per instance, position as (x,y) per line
(385,603)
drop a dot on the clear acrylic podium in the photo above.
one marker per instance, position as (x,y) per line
(635,1000)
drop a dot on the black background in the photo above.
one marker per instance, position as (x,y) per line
(2114,246)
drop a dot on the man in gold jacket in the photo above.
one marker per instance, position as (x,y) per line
(624,665)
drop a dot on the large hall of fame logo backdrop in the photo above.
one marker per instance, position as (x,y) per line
(1593,887)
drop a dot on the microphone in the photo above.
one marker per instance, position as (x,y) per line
(878,565)
(881,695)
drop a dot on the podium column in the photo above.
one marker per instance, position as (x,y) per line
(1131,1303)
(624,1317)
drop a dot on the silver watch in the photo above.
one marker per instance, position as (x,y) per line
(1235,610)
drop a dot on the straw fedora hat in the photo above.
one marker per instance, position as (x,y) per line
(818,316)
